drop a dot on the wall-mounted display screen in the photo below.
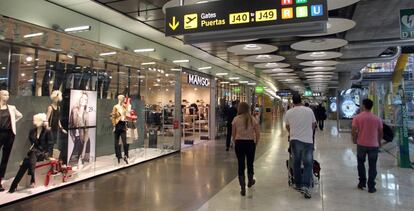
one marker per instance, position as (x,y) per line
(348,103)
(333,106)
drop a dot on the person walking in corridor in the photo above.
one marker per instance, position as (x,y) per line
(300,123)
(246,136)
(230,114)
(367,134)
(320,115)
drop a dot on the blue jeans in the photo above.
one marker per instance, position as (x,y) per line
(302,153)
(372,154)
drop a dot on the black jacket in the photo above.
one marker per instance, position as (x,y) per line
(231,113)
(44,141)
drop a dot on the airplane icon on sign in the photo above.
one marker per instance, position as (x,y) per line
(190,21)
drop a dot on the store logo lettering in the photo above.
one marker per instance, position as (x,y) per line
(198,80)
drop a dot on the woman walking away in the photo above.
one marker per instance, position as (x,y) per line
(246,136)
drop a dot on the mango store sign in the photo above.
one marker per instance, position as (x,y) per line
(198,80)
(224,15)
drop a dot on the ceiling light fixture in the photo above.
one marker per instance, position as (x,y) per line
(221,74)
(263,57)
(107,53)
(234,78)
(251,47)
(204,68)
(33,35)
(181,61)
(143,50)
(148,63)
(234,84)
(251,84)
(176,69)
(29,59)
(78,29)
(244,82)
(224,82)
(318,54)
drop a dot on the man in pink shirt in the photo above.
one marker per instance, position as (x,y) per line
(367,134)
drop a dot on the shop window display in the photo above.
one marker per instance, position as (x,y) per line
(87,115)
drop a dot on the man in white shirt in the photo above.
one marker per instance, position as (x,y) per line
(300,122)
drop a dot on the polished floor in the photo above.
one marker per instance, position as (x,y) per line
(204,178)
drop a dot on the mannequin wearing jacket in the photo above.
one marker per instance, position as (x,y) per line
(9,115)
(118,117)
(40,138)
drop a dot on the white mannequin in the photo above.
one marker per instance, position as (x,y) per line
(7,143)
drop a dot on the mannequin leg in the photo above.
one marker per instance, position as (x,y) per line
(118,154)
(22,170)
(7,140)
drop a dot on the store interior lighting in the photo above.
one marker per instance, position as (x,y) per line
(204,68)
(147,63)
(107,53)
(78,29)
(33,35)
(176,69)
(234,78)
(181,61)
(144,50)
(221,74)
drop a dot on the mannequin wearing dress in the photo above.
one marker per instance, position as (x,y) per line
(53,117)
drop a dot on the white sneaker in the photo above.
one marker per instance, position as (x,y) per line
(307,193)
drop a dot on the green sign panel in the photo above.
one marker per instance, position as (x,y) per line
(236,90)
(308,93)
(404,159)
(407,23)
(259,89)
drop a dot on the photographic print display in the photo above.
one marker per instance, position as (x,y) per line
(82,127)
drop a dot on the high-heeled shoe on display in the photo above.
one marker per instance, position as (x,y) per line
(119,160)
(126,159)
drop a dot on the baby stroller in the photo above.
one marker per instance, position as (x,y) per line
(289,165)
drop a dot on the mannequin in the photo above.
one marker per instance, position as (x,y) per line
(40,138)
(118,117)
(53,117)
(9,115)
(78,122)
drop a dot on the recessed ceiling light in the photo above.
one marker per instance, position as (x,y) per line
(78,29)
(33,35)
(224,82)
(251,84)
(181,61)
(176,69)
(29,59)
(243,82)
(107,53)
(251,47)
(148,63)
(204,68)
(143,50)
(221,74)
(234,84)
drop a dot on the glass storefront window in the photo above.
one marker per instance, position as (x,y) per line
(78,91)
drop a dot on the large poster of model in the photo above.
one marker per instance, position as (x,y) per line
(82,127)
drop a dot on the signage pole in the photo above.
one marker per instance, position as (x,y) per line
(404,158)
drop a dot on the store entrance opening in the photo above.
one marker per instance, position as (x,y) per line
(195,106)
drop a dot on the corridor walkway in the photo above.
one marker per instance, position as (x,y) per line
(204,178)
